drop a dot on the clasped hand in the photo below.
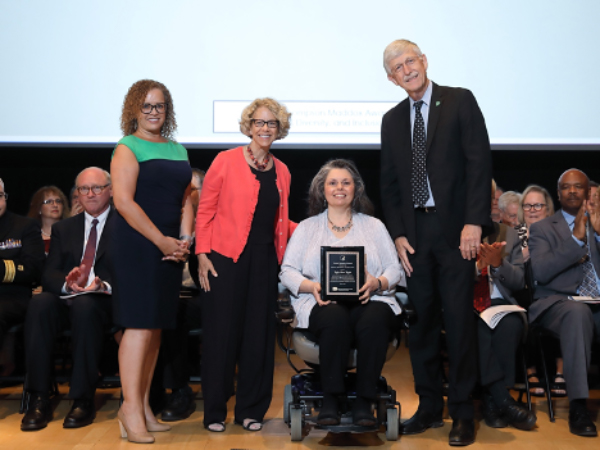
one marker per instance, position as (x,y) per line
(76,280)
(175,249)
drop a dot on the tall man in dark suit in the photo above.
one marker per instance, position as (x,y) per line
(565,258)
(21,261)
(436,175)
(78,263)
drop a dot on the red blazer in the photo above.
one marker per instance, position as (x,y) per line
(227,203)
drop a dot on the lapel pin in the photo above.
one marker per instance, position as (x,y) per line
(438,103)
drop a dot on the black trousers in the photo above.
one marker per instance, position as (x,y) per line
(498,348)
(12,312)
(89,316)
(238,327)
(339,326)
(173,356)
(441,290)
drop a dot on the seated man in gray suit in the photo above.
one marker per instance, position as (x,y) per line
(565,258)
(500,272)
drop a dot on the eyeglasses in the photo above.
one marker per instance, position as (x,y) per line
(261,123)
(85,190)
(409,62)
(53,201)
(148,107)
(195,189)
(4,195)
(535,206)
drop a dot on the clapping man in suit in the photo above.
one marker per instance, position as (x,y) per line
(436,173)
(565,258)
(78,263)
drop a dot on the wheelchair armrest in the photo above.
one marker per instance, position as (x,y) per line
(285,312)
(409,315)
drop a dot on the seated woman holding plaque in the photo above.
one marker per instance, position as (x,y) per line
(339,212)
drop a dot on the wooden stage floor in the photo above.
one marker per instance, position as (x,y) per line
(189,434)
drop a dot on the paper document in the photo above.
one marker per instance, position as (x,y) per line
(77,294)
(584,299)
(494,314)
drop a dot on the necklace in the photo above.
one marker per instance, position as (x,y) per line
(45,234)
(260,166)
(334,227)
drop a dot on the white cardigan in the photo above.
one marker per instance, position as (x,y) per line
(302,259)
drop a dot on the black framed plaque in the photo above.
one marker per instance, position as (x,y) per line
(342,273)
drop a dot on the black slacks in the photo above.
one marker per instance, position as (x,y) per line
(89,316)
(173,356)
(12,312)
(338,327)
(498,348)
(441,290)
(238,327)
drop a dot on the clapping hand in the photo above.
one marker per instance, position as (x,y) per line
(580,222)
(490,254)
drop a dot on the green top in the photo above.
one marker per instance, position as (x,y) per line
(146,150)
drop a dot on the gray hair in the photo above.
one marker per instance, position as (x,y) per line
(508,198)
(396,49)
(106,174)
(316,193)
(540,190)
(2,183)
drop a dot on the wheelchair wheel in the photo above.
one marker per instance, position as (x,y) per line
(288,399)
(391,431)
(296,423)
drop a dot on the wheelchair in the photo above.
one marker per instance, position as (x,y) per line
(303,396)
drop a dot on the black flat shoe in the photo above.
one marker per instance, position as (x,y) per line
(180,405)
(580,423)
(82,413)
(421,421)
(39,413)
(516,415)
(462,433)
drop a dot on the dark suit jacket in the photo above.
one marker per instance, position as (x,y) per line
(66,251)
(556,262)
(459,164)
(28,255)
(509,277)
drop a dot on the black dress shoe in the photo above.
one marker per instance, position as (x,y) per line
(491,413)
(516,415)
(580,423)
(462,433)
(421,421)
(180,406)
(38,414)
(83,413)
(362,414)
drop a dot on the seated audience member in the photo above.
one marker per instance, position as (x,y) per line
(21,262)
(76,207)
(48,206)
(565,258)
(499,273)
(593,198)
(508,203)
(78,263)
(496,214)
(174,352)
(536,204)
(341,216)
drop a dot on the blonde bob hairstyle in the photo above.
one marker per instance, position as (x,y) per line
(279,111)
(398,48)
(541,190)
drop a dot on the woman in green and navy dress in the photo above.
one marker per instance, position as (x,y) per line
(151,179)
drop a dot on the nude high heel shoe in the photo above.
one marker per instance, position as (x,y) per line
(157,426)
(139,438)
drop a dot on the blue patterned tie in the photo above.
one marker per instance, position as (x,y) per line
(589,286)
(419,168)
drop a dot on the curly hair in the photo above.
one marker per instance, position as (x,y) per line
(38,198)
(539,190)
(135,99)
(316,193)
(278,110)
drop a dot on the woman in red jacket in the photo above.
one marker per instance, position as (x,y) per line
(242,228)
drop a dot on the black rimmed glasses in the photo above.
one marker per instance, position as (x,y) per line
(4,195)
(533,206)
(258,123)
(148,107)
(52,201)
(85,190)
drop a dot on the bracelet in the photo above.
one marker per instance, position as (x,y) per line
(185,237)
(380,285)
